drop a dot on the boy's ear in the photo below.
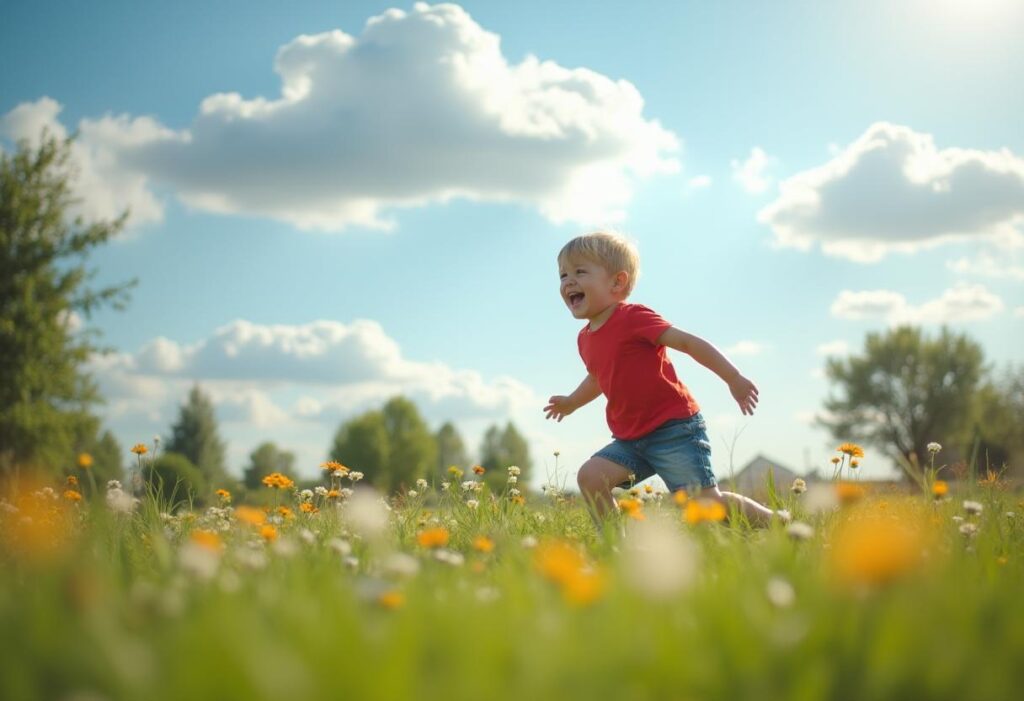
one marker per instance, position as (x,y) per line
(620,281)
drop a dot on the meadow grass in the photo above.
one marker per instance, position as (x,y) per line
(467,594)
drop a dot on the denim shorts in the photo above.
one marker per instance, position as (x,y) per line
(678,451)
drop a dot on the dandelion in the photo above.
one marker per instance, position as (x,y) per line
(483,544)
(85,461)
(701,510)
(285,513)
(872,549)
(72,495)
(391,600)
(207,540)
(933,448)
(851,449)
(561,563)
(433,537)
(798,486)
(848,492)
(140,449)
(939,489)
(973,507)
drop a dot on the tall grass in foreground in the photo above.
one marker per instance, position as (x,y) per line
(463,594)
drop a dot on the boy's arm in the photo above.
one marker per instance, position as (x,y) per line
(743,390)
(561,406)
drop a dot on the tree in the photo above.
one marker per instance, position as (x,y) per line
(904,392)
(265,459)
(450,449)
(174,478)
(195,436)
(45,396)
(993,437)
(393,446)
(500,449)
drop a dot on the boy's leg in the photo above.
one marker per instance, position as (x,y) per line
(756,513)
(596,478)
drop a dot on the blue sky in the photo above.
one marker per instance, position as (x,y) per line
(333,203)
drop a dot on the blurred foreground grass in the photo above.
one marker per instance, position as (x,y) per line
(461,594)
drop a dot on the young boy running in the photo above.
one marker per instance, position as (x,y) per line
(655,421)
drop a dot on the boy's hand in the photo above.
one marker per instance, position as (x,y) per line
(559,407)
(744,392)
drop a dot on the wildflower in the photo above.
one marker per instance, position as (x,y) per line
(798,486)
(113,484)
(973,507)
(268,533)
(72,495)
(700,510)
(449,557)
(72,481)
(333,494)
(680,496)
(207,539)
(513,479)
(455,472)
(445,486)
(84,461)
(933,448)
(561,563)
(648,489)
(333,466)
(320,490)
(251,515)
(514,492)
(346,492)
(433,537)
(342,547)
(469,486)
(969,529)
(799,531)
(990,479)
(851,449)
(835,460)
(306,494)
(632,509)
(513,471)
(557,453)
(472,504)
(483,544)
(421,484)
(939,489)
(140,449)
(275,480)
(478,469)
(307,536)
(658,559)
(401,565)
(848,492)
(780,592)
(308,508)
(872,549)
(528,541)
(391,600)
(854,463)
(355,476)
(284,512)
(518,499)
(224,495)
(119,502)
(413,494)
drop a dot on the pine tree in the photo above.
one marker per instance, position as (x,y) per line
(195,436)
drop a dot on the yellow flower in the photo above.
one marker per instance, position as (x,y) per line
(207,539)
(519,500)
(483,544)
(268,533)
(478,469)
(333,466)
(285,512)
(72,481)
(140,449)
(391,599)
(848,492)
(701,510)
(563,564)
(854,463)
(851,449)
(648,489)
(939,488)
(333,494)
(871,548)
(72,495)
(586,587)
(275,480)
(225,495)
(251,515)
(84,461)
(632,508)
(433,537)
(308,508)
(455,472)
(680,497)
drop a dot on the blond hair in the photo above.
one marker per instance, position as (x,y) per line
(611,251)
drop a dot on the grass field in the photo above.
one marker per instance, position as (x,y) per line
(459,593)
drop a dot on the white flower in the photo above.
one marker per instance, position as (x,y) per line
(113,484)
(513,470)
(529,541)
(973,507)
(780,592)
(367,515)
(472,503)
(659,559)
(307,536)
(514,492)
(958,519)
(401,565)
(445,486)
(119,502)
(285,547)
(468,485)
(198,560)
(969,529)
(413,494)
(306,494)
(342,547)
(355,476)
(798,486)
(934,448)
(345,492)
(513,479)
(321,491)
(799,531)
(421,484)
(449,557)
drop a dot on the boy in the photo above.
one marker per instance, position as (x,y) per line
(654,420)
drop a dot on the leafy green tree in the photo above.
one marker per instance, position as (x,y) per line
(994,437)
(392,447)
(451,450)
(175,479)
(501,448)
(102,456)
(46,397)
(195,436)
(265,459)
(904,391)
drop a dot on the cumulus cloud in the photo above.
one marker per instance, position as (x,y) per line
(745,348)
(959,304)
(986,265)
(750,174)
(421,107)
(894,190)
(837,347)
(699,182)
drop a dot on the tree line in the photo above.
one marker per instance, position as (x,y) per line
(904,390)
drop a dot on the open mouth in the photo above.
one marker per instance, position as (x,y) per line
(575,298)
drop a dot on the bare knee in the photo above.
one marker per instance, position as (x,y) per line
(598,475)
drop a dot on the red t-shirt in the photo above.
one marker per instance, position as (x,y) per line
(634,372)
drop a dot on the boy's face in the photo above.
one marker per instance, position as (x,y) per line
(587,288)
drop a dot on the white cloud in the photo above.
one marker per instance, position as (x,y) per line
(699,182)
(745,348)
(750,174)
(986,265)
(421,107)
(893,190)
(102,186)
(837,347)
(960,304)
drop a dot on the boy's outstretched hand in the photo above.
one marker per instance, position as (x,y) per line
(745,393)
(559,407)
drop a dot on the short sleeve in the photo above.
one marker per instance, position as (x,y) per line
(646,323)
